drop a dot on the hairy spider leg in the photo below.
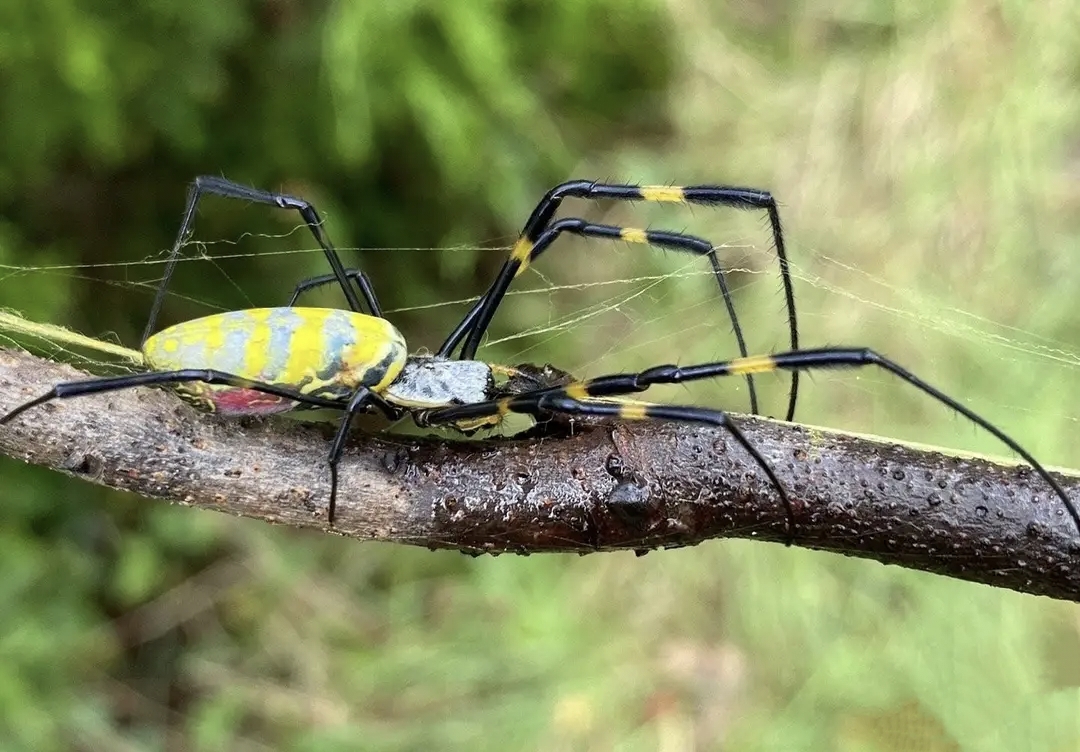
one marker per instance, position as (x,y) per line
(209,184)
(361,399)
(709,195)
(558,399)
(477,319)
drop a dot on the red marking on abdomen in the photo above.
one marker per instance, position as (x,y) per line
(238,401)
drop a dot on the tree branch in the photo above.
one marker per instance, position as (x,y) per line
(619,486)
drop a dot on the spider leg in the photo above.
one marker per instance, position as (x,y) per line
(209,184)
(167,378)
(825,357)
(477,320)
(561,403)
(545,402)
(360,401)
(621,384)
(709,195)
(362,279)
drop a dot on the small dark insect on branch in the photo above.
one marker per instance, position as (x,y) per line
(618,486)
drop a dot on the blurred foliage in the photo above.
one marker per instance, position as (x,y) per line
(926,157)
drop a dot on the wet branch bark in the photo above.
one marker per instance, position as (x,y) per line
(622,486)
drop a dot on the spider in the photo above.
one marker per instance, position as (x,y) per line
(269,360)
(539,232)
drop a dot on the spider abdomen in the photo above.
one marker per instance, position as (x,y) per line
(323,352)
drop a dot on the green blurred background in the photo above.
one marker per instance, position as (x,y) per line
(927,158)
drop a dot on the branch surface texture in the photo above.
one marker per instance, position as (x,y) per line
(637,486)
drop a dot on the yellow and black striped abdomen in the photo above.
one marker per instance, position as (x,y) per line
(324,352)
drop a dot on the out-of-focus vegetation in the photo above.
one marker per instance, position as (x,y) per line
(926,157)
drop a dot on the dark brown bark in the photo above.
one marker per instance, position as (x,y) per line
(620,486)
